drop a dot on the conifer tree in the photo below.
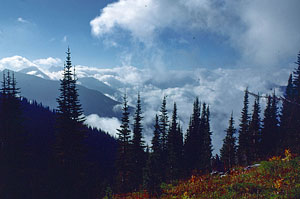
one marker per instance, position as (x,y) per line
(153,175)
(138,145)
(69,145)
(123,163)
(286,115)
(12,140)
(243,140)
(254,132)
(192,150)
(163,126)
(228,150)
(295,124)
(174,148)
(206,147)
(270,137)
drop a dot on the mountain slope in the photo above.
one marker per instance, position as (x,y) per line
(46,91)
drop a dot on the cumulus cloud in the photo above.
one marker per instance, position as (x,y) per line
(109,125)
(263,32)
(15,63)
(50,61)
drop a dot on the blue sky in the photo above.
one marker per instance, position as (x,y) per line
(172,33)
(36,29)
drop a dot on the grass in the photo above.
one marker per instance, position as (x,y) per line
(276,178)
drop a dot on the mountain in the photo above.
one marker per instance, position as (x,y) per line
(46,91)
(34,71)
(95,84)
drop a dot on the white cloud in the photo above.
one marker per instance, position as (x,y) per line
(221,88)
(15,63)
(50,61)
(109,125)
(20,19)
(264,32)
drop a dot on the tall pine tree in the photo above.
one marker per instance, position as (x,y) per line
(163,126)
(286,116)
(12,140)
(270,136)
(192,142)
(138,145)
(174,148)
(243,141)
(123,163)
(154,172)
(70,135)
(254,132)
(228,150)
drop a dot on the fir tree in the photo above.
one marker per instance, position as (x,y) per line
(206,147)
(124,167)
(270,138)
(286,115)
(254,132)
(228,150)
(295,116)
(69,145)
(138,154)
(163,126)
(153,175)
(12,140)
(243,147)
(174,148)
(192,150)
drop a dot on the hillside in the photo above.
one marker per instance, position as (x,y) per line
(46,92)
(276,178)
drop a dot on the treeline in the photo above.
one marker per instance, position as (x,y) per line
(51,154)
(173,156)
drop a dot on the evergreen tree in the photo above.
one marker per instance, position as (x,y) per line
(228,150)
(69,145)
(270,137)
(174,148)
(243,140)
(12,140)
(123,163)
(138,145)
(206,146)
(192,150)
(295,116)
(286,115)
(153,175)
(254,132)
(163,126)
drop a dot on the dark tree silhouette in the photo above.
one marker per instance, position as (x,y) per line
(70,135)
(228,150)
(243,141)
(138,146)
(123,162)
(174,148)
(192,150)
(254,132)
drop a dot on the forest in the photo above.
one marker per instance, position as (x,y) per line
(52,154)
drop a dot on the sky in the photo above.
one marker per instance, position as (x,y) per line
(213,49)
(180,34)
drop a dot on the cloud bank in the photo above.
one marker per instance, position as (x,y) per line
(264,32)
(221,89)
